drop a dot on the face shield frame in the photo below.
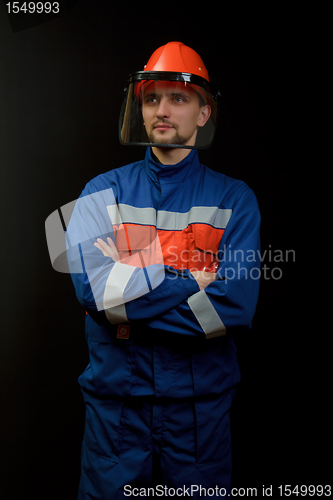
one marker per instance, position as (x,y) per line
(132,131)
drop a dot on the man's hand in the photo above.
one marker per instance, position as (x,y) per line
(108,249)
(203,278)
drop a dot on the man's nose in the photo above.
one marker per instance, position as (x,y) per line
(163,110)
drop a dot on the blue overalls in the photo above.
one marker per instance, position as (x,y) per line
(163,365)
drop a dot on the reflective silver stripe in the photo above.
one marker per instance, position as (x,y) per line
(216,217)
(170,221)
(116,284)
(206,315)
(117,314)
(137,215)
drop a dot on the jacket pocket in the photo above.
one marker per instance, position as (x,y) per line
(213,441)
(101,434)
(138,245)
(110,368)
(204,252)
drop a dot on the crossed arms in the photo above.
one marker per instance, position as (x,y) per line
(141,287)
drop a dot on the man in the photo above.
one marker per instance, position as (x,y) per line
(164,258)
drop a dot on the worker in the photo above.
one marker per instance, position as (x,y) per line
(164,257)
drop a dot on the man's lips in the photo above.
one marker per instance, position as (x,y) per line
(162,126)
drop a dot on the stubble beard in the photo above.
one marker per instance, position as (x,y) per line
(175,139)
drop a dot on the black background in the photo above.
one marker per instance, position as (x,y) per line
(61,90)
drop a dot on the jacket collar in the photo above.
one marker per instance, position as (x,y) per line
(171,173)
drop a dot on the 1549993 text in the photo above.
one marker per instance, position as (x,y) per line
(32,7)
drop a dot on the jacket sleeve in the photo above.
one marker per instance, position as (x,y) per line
(135,287)
(230,301)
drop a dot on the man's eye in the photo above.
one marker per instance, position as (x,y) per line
(179,98)
(150,99)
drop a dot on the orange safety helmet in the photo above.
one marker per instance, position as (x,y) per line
(175,57)
(177,62)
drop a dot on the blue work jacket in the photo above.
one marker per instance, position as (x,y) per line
(149,328)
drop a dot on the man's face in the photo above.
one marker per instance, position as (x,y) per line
(172,113)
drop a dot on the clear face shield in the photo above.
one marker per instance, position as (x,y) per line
(166,109)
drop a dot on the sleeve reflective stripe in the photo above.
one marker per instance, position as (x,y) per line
(117,314)
(114,214)
(116,284)
(206,315)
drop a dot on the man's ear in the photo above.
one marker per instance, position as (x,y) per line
(205,112)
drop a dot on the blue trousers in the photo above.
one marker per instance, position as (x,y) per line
(154,447)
